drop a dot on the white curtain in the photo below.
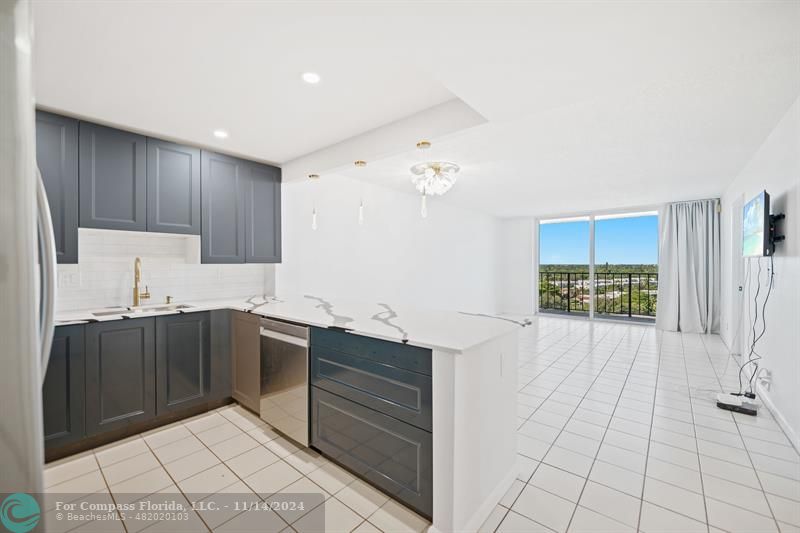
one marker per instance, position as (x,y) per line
(689,268)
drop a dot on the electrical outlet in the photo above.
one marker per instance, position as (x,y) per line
(765,378)
(69,280)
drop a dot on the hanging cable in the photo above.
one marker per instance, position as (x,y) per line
(753,356)
(715,382)
(763,320)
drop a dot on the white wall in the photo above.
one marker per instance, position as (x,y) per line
(516,266)
(170,266)
(776,168)
(445,261)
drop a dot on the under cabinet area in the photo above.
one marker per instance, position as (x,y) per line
(371,412)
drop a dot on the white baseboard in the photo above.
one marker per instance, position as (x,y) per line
(763,395)
(482,513)
(782,422)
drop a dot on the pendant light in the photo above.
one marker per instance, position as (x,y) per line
(432,177)
(313,177)
(361,164)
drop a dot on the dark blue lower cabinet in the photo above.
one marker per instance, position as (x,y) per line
(392,455)
(63,389)
(220,355)
(183,361)
(393,391)
(120,374)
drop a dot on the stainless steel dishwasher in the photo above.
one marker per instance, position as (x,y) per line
(284,378)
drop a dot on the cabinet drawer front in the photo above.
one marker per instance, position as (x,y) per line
(393,391)
(391,353)
(390,454)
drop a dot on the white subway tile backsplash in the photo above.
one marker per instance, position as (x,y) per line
(170,266)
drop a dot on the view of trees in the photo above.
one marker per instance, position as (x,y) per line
(629,290)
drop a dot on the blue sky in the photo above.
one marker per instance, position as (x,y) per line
(618,241)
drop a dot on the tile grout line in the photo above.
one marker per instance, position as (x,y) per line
(550,446)
(175,482)
(257,495)
(111,495)
(280,459)
(694,428)
(659,343)
(611,418)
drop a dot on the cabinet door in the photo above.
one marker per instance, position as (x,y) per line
(183,358)
(57,157)
(246,360)
(220,354)
(113,179)
(173,188)
(120,373)
(63,388)
(223,218)
(263,214)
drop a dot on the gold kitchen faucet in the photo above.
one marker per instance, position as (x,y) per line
(137,277)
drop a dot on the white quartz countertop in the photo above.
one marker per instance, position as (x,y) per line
(451,331)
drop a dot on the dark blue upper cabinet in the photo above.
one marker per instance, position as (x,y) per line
(57,157)
(263,214)
(173,188)
(223,187)
(113,178)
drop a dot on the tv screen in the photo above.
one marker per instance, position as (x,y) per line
(755,226)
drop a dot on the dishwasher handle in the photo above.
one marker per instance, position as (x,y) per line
(283,337)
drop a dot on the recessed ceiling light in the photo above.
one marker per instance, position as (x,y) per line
(220,134)
(311,77)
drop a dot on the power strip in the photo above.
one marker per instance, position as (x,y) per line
(738,404)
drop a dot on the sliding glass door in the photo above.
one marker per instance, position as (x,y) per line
(564,266)
(600,265)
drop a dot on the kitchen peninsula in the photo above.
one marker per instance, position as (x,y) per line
(469,362)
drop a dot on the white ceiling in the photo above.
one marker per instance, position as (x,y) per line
(589,105)
(181,69)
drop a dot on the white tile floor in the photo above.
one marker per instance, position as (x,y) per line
(224,452)
(617,432)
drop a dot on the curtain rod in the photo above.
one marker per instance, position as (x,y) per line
(698,200)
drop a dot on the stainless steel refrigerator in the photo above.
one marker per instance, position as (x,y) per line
(27,262)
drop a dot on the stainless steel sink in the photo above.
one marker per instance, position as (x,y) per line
(160,308)
(146,309)
(110,313)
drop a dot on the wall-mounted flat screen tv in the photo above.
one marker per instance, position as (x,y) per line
(755,227)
